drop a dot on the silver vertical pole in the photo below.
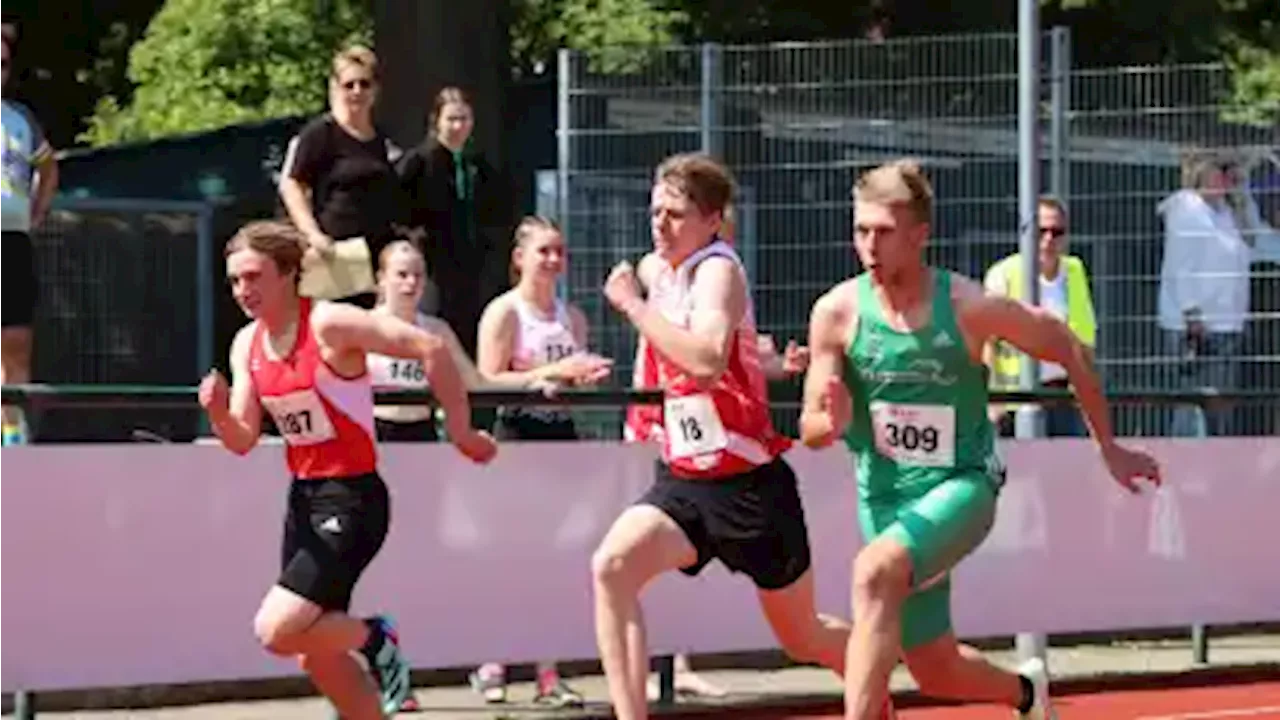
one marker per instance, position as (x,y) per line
(564,126)
(564,150)
(204,302)
(1028,418)
(1060,107)
(709,118)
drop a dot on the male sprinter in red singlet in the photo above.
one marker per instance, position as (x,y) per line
(304,362)
(723,491)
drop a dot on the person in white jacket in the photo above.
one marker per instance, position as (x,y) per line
(1213,232)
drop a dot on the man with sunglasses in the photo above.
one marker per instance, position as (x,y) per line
(28,177)
(1064,291)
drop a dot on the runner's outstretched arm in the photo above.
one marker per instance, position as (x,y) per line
(343,326)
(1043,336)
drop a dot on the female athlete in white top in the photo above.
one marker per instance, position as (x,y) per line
(401,276)
(529,336)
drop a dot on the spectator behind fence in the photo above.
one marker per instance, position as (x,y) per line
(401,275)
(530,337)
(1064,291)
(30,178)
(466,209)
(338,180)
(1213,231)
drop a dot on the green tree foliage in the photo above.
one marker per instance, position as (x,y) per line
(614,34)
(205,64)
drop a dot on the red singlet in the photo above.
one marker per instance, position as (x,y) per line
(718,432)
(326,420)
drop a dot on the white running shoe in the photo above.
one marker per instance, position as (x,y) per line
(1041,709)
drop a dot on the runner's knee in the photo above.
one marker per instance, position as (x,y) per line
(802,642)
(277,632)
(273,634)
(614,566)
(882,572)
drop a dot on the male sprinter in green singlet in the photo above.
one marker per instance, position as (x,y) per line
(895,367)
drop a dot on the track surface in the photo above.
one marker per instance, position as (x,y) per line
(1257,701)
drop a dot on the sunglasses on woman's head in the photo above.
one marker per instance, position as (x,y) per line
(362,83)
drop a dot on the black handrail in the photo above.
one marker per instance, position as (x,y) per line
(184,397)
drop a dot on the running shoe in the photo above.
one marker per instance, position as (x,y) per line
(557,694)
(1041,709)
(490,680)
(387,664)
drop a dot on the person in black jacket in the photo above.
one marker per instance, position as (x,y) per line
(466,209)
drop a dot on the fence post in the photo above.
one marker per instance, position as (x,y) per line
(1059,111)
(24,705)
(1027,418)
(1200,631)
(204,302)
(564,149)
(710,111)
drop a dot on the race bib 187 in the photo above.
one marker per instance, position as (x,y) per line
(693,426)
(922,435)
(300,417)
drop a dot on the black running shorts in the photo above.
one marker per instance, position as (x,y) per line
(753,522)
(332,530)
(19,281)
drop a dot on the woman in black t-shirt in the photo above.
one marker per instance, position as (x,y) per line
(338,179)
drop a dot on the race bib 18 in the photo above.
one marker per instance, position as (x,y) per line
(300,417)
(693,426)
(922,435)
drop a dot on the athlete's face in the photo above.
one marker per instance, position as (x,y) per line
(541,256)
(888,239)
(679,227)
(403,277)
(454,124)
(256,283)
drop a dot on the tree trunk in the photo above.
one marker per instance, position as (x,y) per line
(425,45)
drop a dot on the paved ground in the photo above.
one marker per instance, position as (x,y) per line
(801,686)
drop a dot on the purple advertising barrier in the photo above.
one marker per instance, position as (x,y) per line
(127,565)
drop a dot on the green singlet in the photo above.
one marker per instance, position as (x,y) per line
(928,472)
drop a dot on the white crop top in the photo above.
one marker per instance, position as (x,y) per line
(541,340)
(393,373)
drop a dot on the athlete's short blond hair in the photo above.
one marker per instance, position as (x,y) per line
(900,183)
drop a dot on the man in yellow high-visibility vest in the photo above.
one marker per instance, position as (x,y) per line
(1064,291)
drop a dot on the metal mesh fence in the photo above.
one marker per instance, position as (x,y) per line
(125,296)
(797,122)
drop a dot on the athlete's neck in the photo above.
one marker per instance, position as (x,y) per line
(905,291)
(401,309)
(541,295)
(676,258)
(280,321)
